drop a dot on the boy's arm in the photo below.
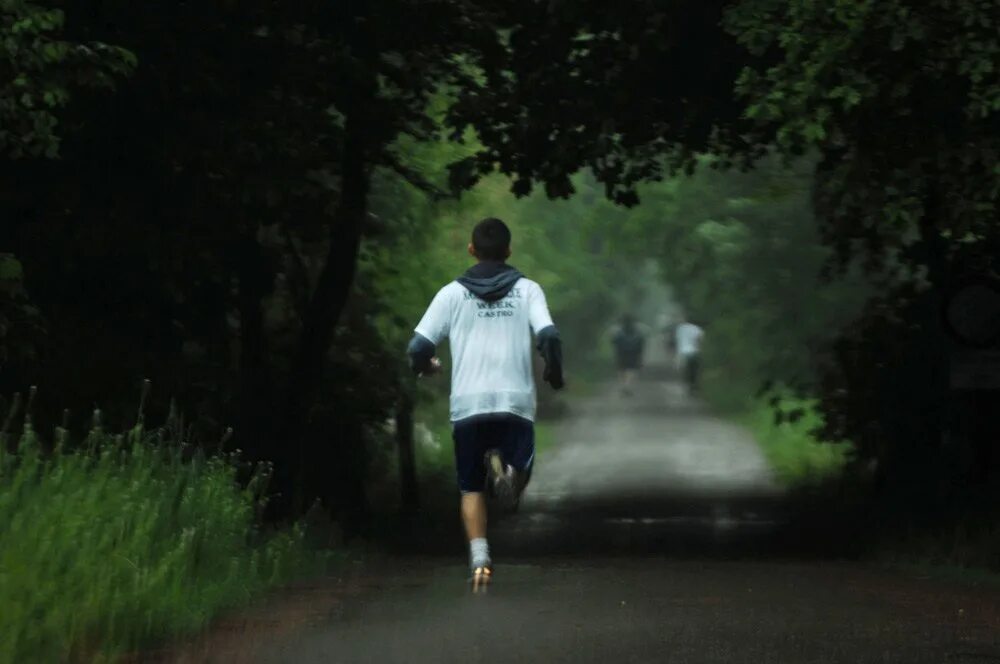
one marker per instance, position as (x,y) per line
(550,346)
(549,341)
(431,329)
(421,353)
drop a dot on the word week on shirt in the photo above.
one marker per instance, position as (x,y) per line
(500,309)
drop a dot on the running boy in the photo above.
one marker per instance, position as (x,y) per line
(489,315)
(689,338)
(629,344)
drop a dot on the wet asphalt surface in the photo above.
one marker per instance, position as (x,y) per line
(652,532)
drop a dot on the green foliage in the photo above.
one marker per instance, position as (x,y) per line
(20,320)
(126,541)
(741,251)
(743,255)
(903,103)
(39,72)
(898,102)
(630,91)
(199,205)
(571,247)
(790,445)
(577,249)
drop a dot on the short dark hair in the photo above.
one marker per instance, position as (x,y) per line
(491,239)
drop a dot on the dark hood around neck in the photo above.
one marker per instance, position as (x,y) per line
(490,281)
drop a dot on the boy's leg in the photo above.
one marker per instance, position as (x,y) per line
(473,508)
(691,372)
(517,449)
(471,471)
(474,520)
(623,378)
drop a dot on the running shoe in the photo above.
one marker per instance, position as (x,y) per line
(481,577)
(502,481)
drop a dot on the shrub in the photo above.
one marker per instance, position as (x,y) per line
(126,540)
(791,448)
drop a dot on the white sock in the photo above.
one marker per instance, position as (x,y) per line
(479,552)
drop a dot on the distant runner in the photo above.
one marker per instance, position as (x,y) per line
(489,315)
(629,344)
(689,337)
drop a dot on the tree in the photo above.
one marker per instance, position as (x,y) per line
(903,104)
(743,254)
(899,101)
(40,72)
(241,150)
(630,91)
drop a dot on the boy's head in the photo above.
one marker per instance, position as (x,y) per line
(490,240)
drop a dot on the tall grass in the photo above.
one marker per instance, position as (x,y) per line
(795,455)
(126,540)
(792,451)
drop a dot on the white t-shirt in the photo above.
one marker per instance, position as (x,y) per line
(689,338)
(490,347)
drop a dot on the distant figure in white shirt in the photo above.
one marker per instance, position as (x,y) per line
(489,315)
(688,341)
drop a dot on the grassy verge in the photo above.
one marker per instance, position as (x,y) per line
(961,554)
(791,449)
(125,542)
(794,454)
(965,550)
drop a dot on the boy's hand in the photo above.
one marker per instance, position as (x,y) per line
(434,367)
(557,382)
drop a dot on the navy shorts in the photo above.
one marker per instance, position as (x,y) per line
(512,436)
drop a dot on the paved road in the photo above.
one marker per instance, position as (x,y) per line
(654,532)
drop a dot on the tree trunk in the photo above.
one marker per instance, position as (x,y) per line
(254,283)
(330,295)
(936,400)
(409,495)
